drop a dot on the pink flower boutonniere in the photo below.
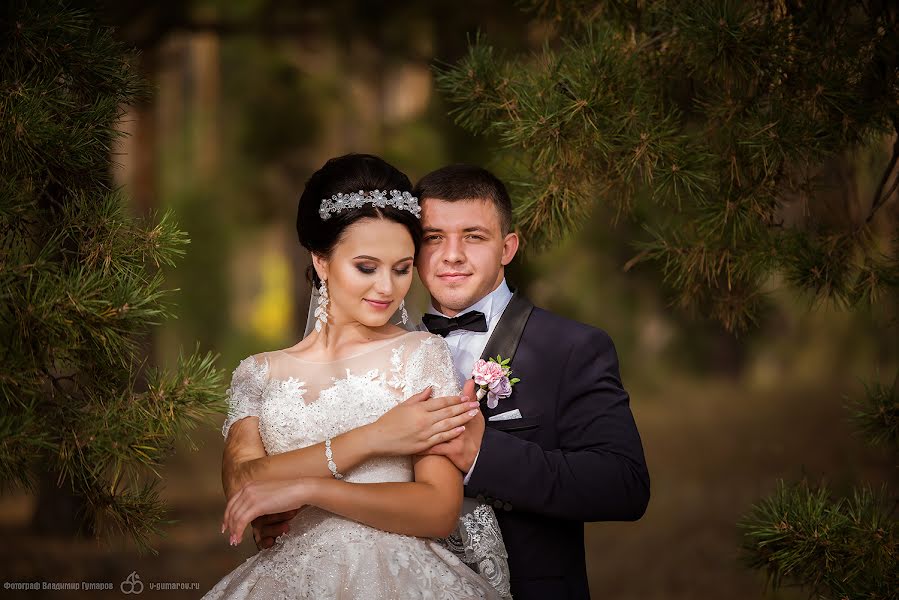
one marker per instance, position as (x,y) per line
(493,377)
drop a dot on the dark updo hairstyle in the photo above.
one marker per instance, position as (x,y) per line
(347,174)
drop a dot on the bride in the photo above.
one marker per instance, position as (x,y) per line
(370,526)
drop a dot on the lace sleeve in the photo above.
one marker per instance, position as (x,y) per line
(431,364)
(245,392)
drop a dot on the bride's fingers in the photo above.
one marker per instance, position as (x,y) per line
(236,507)
(450,425)
(229,508)
(243,519)
(453,411)
(421,396)
(444,436)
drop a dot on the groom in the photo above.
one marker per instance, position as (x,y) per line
(563,448)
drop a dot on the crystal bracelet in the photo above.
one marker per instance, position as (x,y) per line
(330,456)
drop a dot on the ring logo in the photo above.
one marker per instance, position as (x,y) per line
(132,584)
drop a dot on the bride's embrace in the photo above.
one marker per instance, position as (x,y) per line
(332,435)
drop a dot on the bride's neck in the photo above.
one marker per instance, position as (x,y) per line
(340,334)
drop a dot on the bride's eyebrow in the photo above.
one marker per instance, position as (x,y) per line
(372,258)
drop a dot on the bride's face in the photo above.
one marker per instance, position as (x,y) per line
(463,253)
(368,273)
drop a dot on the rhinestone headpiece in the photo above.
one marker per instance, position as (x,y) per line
(396,199)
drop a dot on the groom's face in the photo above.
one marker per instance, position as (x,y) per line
(464,252)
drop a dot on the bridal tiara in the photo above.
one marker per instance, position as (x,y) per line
(396,199)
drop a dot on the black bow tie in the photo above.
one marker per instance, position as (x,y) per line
(470,321)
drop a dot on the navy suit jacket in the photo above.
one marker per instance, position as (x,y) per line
(574,456)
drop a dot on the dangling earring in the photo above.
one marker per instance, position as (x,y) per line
(403,314)
(321,312)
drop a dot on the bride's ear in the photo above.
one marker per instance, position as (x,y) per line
(320,264)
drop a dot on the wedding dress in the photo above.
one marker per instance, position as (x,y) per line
(300,403)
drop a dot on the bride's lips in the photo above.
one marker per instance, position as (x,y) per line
(378,304)
(453,277)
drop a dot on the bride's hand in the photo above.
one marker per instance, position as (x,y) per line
(262,498)
(420,422)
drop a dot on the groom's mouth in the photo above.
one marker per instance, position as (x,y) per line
(378,304)
(453,277)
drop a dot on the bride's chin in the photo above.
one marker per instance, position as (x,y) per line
(374,323)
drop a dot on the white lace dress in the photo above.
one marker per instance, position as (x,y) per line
(324,555)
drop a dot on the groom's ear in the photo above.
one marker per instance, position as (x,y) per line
(510,247)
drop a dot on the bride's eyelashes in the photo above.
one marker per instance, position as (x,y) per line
(370,270)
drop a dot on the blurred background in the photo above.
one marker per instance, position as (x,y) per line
(250,97)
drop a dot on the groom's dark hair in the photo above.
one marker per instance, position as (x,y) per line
(467,182)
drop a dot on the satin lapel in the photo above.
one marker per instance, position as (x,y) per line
(505,338)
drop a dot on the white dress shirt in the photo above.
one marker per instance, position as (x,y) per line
(467,346)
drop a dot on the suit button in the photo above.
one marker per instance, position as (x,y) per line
(507,506)
(488,499)
(498,504)
(480,498)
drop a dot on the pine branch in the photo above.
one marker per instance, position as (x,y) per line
(879,197)
(876,415)
(846,548)
(81,281)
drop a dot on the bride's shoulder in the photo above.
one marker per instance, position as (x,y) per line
(258,359)
(424,338)
(250,373)
(426,343)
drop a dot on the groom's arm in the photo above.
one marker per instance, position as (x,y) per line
(599,472)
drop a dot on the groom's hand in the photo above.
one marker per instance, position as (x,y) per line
(267,527)
(463,449)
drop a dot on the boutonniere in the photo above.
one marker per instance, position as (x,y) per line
(495,379)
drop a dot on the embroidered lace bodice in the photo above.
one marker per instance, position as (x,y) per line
(300,403)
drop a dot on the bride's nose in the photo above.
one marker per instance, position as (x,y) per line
(384,284)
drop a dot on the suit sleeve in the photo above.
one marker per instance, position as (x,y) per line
(598,473)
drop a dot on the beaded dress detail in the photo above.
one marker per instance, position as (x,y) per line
(300,403)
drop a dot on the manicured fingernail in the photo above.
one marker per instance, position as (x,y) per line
(473,405)
(223,528)
(462,428)
(466,399)
(472,413)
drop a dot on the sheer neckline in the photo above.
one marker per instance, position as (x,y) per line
(350,357)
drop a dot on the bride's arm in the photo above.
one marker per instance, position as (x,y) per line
(245,459)
(426,507)
(409,428)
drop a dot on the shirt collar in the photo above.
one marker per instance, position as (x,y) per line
(491,305)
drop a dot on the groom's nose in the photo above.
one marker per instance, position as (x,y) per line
(453,251)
